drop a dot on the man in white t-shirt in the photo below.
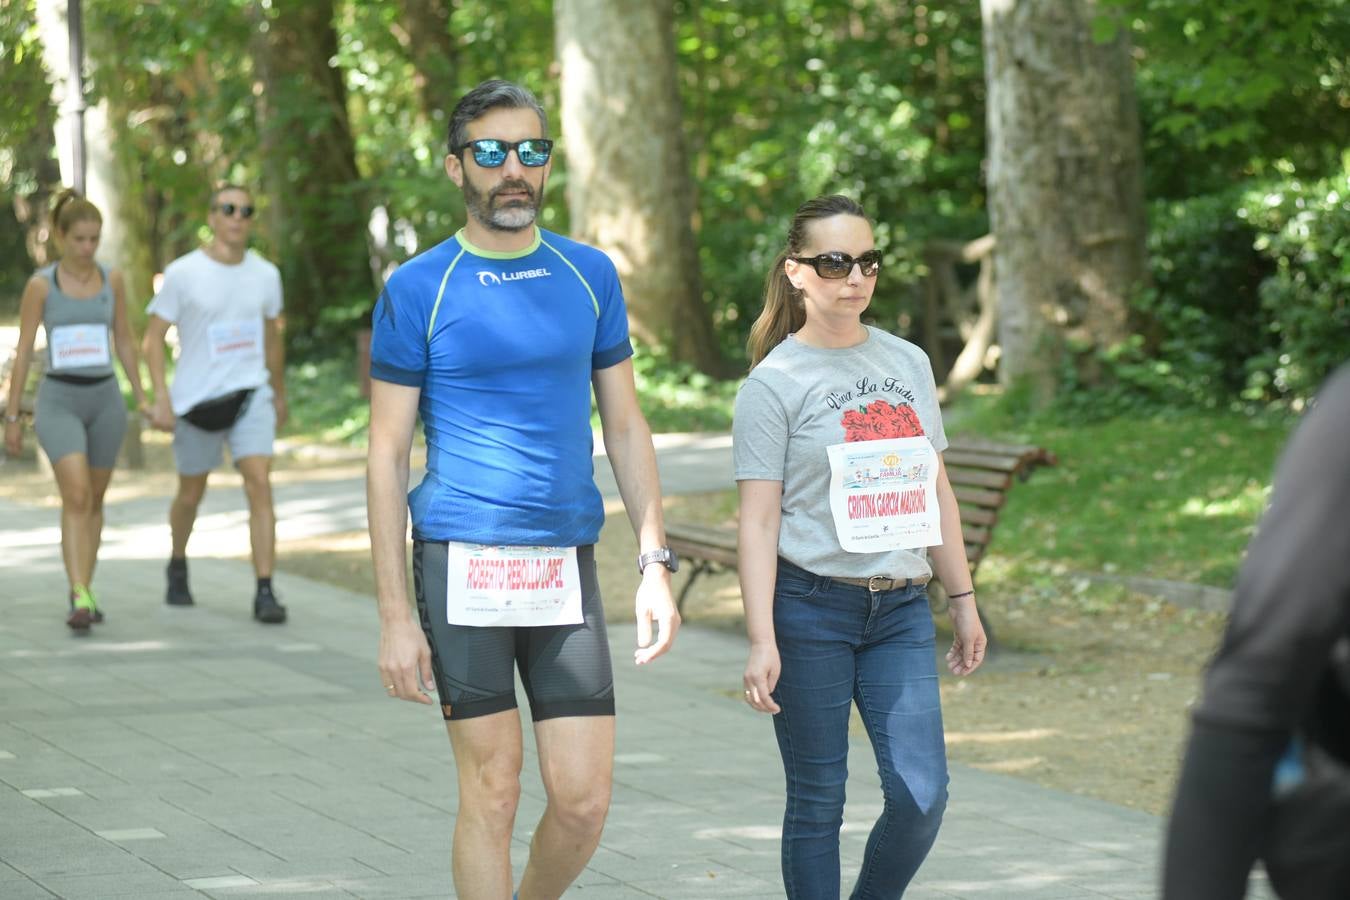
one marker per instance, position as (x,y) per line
(228,386)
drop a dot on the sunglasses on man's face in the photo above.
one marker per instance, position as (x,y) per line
(838,265)
(491,153)
(229,209)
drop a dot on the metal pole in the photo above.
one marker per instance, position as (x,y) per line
(75,27)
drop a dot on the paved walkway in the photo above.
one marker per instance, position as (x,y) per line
(192,752)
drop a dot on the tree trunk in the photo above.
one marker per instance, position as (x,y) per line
(423,31)
(314,199)
(1065,186)
(628,185)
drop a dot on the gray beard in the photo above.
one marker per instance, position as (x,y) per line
(513,217)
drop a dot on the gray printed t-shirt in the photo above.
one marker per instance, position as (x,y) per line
(800,400)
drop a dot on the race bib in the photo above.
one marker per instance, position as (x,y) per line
(512,586)
(883,494)
(78,346)
(235,340)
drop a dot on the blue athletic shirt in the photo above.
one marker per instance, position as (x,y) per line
(502,346)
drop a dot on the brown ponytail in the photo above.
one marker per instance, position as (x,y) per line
(71,208)
(783,311)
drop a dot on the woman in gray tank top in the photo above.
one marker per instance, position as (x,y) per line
(80,416)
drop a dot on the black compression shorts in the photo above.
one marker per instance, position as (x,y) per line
(565,668)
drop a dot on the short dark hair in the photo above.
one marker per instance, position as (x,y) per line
(489,95)
(222,188)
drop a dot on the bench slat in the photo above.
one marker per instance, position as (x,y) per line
(974,515)
(984,499)
(998,481)
(981,460)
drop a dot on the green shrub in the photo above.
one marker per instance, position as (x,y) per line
(1305,232)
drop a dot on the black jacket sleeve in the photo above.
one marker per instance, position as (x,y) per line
(1291,605)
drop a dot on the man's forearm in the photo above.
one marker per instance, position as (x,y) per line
(633,458)
(276,359)
(154,361)
(387,510)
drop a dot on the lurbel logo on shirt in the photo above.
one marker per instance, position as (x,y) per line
(488,279)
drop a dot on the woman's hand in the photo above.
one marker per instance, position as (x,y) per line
(761,676)
(161,414)
(968,640)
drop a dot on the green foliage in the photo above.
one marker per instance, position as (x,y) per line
(785,101)
(1232,89)
(1173,496)
(27,91)
(1248,302)
(325,400)
(25,150)
(1305,231)
(677,397)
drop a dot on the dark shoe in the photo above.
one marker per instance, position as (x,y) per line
(266,609)
(79,619)
(84,609)
(178,593)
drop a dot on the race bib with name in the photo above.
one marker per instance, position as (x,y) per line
(79,346)
(236,340)
(883,494)
(512,586)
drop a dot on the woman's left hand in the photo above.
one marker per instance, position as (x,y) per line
(761,676)
(968,640)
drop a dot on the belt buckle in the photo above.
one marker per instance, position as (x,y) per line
(873,583)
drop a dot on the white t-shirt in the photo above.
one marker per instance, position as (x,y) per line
(219,310)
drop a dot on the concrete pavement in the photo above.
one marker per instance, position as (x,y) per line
(193,752)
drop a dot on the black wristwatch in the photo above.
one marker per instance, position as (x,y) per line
(664,555)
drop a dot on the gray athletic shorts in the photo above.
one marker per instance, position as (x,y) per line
(565,668)
(81,418)
(197,451)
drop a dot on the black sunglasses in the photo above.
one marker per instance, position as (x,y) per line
(491,152)
(229,209)
(838,265)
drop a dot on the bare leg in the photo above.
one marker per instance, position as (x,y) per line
(262,520)
(488,758)
(576,760)
(183,510)
(98,487)
(72,479)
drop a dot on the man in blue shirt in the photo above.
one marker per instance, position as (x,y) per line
(495,338)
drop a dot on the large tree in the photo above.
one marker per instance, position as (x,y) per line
(1065,186)
(314,194)
(628,184)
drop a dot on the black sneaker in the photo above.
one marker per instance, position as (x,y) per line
(178,593)
(266,609)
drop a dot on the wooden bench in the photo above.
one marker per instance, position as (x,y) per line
(981,474)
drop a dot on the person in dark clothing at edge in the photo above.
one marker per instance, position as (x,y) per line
(1279,673)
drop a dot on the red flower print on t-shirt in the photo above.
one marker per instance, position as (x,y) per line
(879,420)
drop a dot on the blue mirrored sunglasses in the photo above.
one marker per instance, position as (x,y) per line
(491,152)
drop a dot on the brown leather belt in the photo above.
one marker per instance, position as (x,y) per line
(878,583)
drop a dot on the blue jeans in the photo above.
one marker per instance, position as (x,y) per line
(840,644)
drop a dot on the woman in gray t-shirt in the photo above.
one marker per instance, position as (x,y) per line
(843,502)
(80,416)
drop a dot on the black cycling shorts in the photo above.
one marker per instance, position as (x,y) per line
(565,668)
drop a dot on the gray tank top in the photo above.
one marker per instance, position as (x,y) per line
(79,336)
